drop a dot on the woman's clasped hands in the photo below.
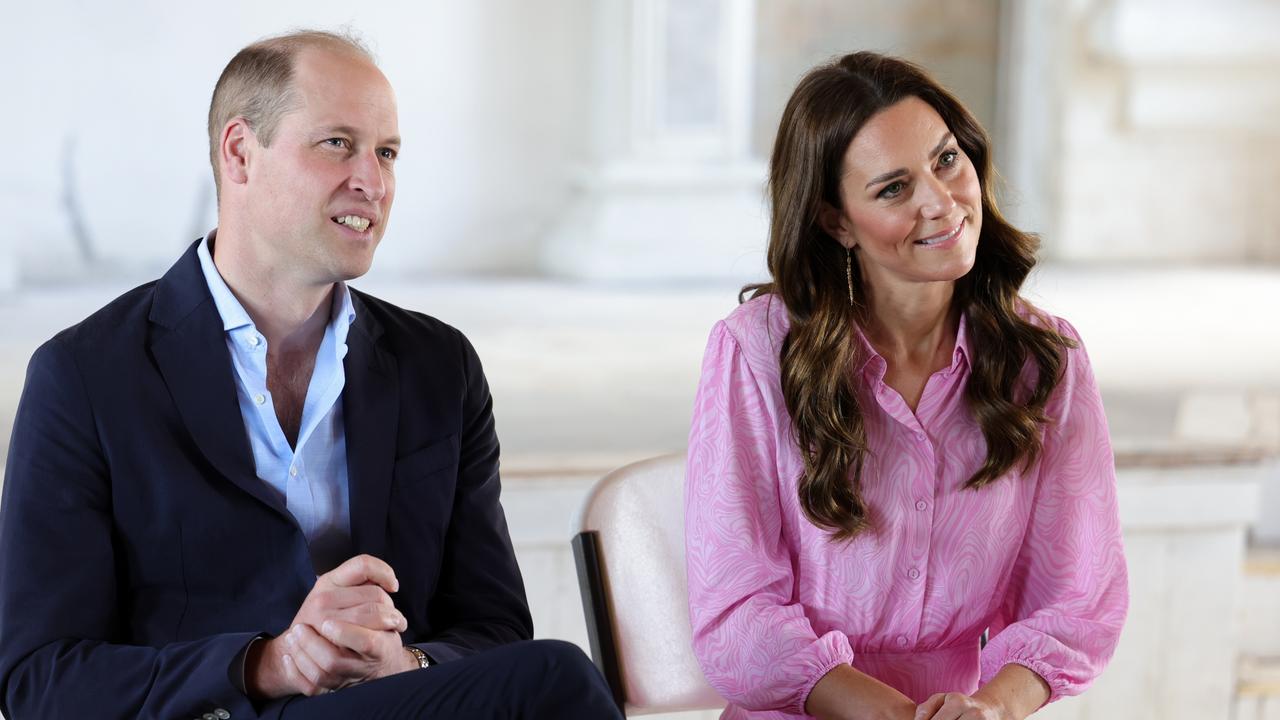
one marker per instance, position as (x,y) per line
(958,706)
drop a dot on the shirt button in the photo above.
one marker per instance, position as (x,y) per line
(921,505)
(293,472)
(253,341)
(259,398)
(902,641)
(913,573)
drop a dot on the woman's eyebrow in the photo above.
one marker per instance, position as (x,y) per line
(903,171)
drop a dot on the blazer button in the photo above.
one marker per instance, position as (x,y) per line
(221,714)
(208,716)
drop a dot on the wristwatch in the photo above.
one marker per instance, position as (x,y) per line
(421,657)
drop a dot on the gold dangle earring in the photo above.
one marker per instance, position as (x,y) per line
(848,272)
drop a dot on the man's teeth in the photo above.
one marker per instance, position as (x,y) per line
(354,222)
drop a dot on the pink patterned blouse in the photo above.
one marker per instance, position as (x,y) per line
(1036,556)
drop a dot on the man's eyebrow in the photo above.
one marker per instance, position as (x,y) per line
(337,130)
(903,171)
(394,140)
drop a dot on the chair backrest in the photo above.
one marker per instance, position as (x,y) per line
(631,568)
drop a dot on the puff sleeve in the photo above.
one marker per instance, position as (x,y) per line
(1068,594)
(752,638)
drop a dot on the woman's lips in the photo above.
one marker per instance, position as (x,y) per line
(943,241)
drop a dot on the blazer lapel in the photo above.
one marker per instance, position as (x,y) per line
(191,353)
(371,411)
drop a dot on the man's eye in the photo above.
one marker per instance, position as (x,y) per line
(387,154)
(891,190)
(336,142)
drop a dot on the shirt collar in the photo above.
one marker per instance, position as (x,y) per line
(342,312)
(233,313)
(962,353)
(870,361)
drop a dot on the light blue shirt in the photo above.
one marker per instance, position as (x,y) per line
(310,478)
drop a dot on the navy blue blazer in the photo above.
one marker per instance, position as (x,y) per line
(139,552)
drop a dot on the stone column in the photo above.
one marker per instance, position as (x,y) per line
(1032,75)
(672,190)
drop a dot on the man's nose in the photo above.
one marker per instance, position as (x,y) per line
(367,176)
(935,198)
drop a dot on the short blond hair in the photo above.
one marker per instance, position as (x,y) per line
(257,84)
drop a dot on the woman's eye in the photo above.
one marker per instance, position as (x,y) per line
(891,190)
(949,158)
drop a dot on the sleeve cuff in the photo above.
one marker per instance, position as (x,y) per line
(833,650)
(1051,676)
(426,650)
(823,669)
(236,671)
(1030,649)
(439,652)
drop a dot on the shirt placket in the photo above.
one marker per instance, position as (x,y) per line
(916,518)
(288,459)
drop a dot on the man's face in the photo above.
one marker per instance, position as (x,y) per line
(320,195)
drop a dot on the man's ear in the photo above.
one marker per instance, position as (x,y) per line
(237,139)
(833,223)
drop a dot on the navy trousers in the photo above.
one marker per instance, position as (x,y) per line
(530,680)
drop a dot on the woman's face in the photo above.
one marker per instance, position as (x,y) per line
(912,202)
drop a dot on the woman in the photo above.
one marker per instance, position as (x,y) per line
(892,451)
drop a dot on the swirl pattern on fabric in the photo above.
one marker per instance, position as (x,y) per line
(1036,556)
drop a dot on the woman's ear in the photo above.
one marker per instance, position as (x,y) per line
(833,222)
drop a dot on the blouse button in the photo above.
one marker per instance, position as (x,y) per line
(902,641)
(913,573)
(921,505)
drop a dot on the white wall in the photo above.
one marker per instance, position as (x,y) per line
(490,110)
(1150,128)
(109,101)
(1145,130)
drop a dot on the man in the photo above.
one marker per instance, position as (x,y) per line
(245,490)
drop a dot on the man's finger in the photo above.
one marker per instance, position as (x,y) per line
(360,640)
(293,663)
(363,569)
(333,599)
(336,663)
(374,616)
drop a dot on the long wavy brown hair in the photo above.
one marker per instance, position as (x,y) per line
(807,266)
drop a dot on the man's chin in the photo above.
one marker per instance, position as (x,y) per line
(353,264)
(353,271)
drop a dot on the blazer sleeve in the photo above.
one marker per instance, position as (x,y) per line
(61,626)
(1068,594)
(480,601)
(754,643)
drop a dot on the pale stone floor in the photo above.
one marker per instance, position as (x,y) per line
(589,377)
